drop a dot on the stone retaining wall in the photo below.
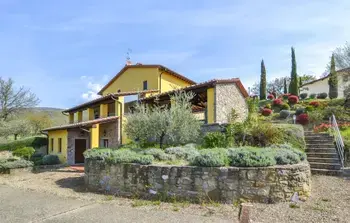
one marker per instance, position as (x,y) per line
(224,184)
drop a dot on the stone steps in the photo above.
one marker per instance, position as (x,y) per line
(321,150)
(327,166)
(326,172)
(320,145)
(323,160)
(322,155)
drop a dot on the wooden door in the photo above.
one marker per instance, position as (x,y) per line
(80,147)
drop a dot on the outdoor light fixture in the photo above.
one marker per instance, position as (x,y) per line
(104,132)
(294,119)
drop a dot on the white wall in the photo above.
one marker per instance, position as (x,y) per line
(322,86)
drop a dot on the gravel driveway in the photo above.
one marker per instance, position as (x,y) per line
(329,201)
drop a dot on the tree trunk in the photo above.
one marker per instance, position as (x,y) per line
(16,136)
(161,138)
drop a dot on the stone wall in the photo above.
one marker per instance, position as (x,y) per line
(228,97)
(110,131)
(223,184)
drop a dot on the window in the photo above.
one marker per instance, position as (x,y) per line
(145,85)
(96,112)
(105,143)
(52,141)
(111,109)
(59,145)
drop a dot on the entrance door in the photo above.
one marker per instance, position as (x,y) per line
(80,147)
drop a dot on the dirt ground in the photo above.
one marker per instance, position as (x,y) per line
(329,200)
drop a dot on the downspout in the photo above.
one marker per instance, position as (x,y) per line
(120,118)
(160,81)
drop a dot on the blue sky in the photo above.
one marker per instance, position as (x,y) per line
(65,50)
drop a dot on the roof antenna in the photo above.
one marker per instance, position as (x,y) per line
(128,61)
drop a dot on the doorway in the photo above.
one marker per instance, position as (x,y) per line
(80,147)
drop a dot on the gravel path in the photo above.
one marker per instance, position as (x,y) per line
(329,201)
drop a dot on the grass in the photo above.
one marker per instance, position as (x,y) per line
(140,203)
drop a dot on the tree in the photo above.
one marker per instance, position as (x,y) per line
(174,125)
(38,121)
(276,85)
(263,81)
(341,58)
(12,101)
(285,90)
(333,81)
(15,127)
(306,78)
(293,85)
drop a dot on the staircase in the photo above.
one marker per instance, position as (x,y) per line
(322,154)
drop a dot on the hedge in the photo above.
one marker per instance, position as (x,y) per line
(34,142)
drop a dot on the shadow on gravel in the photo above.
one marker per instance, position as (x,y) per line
(75,183)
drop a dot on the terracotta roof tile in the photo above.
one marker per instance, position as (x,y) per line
(82,124)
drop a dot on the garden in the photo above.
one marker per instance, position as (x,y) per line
(172,136)
(21,154)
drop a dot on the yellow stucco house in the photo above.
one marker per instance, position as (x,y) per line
(102,125)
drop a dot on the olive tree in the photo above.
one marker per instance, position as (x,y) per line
(173,124)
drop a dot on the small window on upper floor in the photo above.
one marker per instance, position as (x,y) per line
(145,85)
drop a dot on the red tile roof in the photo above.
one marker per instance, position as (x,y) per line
(109,96)
(208,84)
(160,67)
(83,124)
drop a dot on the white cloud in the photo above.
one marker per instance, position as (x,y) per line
(92,87)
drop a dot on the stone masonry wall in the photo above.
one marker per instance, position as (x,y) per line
(223,184)
(72,135)
(228,97)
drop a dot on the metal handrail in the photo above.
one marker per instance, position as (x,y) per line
(338,138)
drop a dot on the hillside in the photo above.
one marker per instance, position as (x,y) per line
(54,114)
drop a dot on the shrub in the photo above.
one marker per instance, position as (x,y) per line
(287,146)
(339,112)
(266,112)
(37,159)
(187,152)
(315,117)
(51,160)
(284,157)
(300,111)
(285,96)
(313,96)
(215,140)
(309,108)
(314,104)
(270,97)
(13,164)
(25,152)
(159,154)
(284,114)
(97,153)
(128,156)
(251,157)
(263,103)
(293,99)
(303,119)
(211,158)
(264,134)
(336,102)
(285,106)
(322,95)
(303,96)
(268,106)
(277,102)
(293,134)
(34,142)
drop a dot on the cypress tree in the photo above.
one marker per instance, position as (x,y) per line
(293,86)
(285,90)
(333,81)
(263,81)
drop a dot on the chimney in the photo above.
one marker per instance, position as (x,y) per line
(128,63)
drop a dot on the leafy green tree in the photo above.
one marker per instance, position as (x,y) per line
(293,85)
(38,121)
(12,101)
(173,124)
(285,90)
(333,81)
(14,128)
(341,58)
(263,81)
(306,78)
